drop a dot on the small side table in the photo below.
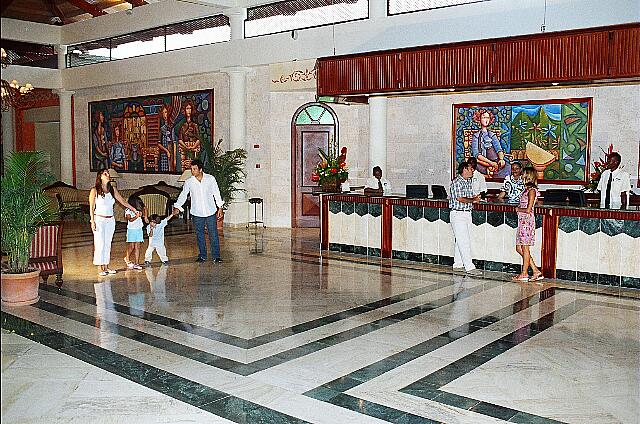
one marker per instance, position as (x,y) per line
(255,201)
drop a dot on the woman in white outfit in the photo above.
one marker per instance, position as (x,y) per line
(101,200)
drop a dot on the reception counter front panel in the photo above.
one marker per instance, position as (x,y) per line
(577,244)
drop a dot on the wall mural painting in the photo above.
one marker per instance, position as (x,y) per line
(553,136)
(150,135)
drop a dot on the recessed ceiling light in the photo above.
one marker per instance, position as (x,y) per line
(555,83)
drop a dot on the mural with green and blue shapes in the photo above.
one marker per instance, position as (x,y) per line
(560,127)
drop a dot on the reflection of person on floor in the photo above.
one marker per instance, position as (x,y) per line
(156,238)
(460,310)
(206,206)
(158,283)
(104,312)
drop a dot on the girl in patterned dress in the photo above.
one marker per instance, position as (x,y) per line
(526,233)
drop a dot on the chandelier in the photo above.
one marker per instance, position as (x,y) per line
(12,91)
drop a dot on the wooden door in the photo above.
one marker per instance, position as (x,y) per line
(306,206)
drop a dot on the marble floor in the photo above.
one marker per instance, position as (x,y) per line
(280,334)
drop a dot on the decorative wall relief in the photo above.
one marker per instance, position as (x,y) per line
(293,76)
(159,134)
(553,136)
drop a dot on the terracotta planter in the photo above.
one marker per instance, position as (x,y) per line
(20,289)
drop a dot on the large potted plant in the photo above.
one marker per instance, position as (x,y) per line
(228,169)
(24,208)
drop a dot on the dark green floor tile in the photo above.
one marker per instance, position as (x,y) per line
(360,250)
(57,341)
(334,247)
(373,251)
(430,345)
(425,392)
(429,258)
(609,280)
(400,254)
(524,418)
(245,412)
(445,260)
(367,408)
(587,277)
(346,248)
(511,268)
(342,384)
(631,282)
(414,419)
(414,256)
(322,393)
(115,363)
(565,274)
(495,411)
(185,390)
(458,401)
(493,266)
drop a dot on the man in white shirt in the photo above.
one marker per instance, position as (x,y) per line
(614,184)
(478,183)
(206,205)
(377,185)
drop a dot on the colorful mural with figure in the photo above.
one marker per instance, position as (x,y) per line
(159,134)
(553,136)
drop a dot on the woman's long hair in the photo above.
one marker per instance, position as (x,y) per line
(98,184)
(530,177)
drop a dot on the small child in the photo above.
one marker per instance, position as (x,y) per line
(134,232)
(156,238)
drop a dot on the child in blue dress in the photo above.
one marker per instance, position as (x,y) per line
(134,232)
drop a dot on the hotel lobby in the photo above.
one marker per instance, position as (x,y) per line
(328,306)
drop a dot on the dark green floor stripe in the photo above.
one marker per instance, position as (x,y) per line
(203,397)
(260,364)
(256,341)
(332,391)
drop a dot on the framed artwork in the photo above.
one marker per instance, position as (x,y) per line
(553,136)
(158,134)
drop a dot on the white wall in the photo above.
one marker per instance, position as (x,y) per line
(496,18)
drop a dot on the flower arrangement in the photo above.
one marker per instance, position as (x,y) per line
(331,170)
(599,167)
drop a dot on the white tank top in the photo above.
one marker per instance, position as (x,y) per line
(104,205)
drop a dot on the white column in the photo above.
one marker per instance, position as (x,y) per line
(66,130)
(378,133)
(61,49)
(238,211)
(377,9)
(236,21)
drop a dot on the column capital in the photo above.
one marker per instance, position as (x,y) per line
(235,12)
(64,93)
(238,70)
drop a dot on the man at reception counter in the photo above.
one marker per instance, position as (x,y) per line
(461,204)
(478,182)
(614,185)
(377,185)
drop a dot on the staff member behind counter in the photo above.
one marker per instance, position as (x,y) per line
(376,185)
(614,184)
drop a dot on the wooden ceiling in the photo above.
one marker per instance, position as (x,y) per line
(60,12)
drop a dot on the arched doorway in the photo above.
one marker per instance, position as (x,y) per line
(313,125)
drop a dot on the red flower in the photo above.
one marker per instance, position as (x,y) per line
(343,151)
(598,164)
(594,175)
(334,171)
(315,177)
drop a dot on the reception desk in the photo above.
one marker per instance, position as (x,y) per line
(590,245)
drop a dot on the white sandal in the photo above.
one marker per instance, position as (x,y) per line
(103,273)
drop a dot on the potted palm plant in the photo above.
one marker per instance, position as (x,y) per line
(24,208)
(228,169)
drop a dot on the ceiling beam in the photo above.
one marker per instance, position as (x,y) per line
(87,7)
(5,5)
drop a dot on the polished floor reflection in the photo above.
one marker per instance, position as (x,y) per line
(279,334)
